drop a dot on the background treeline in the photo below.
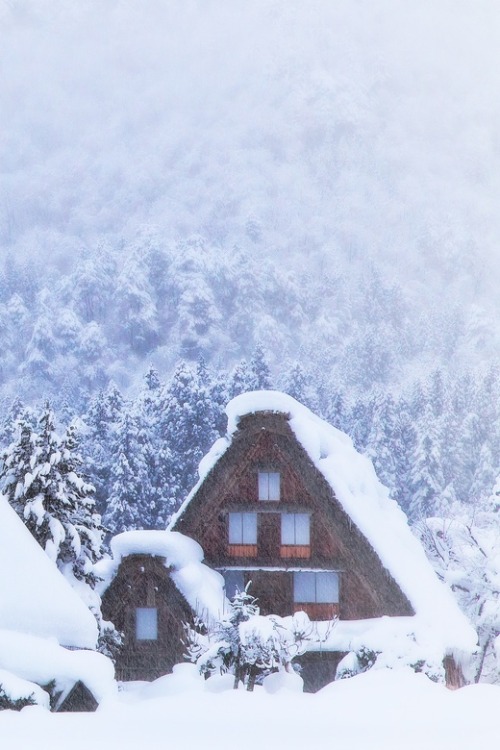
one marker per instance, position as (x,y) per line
(437,446)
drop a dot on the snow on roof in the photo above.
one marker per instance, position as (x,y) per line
(35,598)
(358,490)
(201,586)
(41,660)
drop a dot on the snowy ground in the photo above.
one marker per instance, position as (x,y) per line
(380,709)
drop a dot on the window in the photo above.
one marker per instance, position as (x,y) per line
(243,528)
(295,528)
(319,588)
(146,623)
(269,485)
(234,580)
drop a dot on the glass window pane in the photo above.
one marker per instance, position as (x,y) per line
(287,528)
(269,485)
(301,528)
(303,587)
(146,623)
(235,528)
(274,485)
(249,528)
(263,485)
(234,581)
(327,588)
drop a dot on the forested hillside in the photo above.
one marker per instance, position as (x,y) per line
(308,186)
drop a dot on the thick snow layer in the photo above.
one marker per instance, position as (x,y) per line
(15,688)
(34,596)
(42,660)
(202,587)
(358,490)
(383,710)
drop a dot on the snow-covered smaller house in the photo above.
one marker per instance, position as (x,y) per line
(285,501)
(154,583)
(47,634)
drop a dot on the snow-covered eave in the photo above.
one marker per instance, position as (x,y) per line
(201,586)
(206,465)
(41,660)
(38,600)
(382,634)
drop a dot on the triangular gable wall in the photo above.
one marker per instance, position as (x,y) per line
(266,440)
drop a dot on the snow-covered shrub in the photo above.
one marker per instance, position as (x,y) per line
(393,652)
(465,553)
(245,643)
(16,693)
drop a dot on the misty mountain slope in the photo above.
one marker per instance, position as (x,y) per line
(368,127)
(199,178)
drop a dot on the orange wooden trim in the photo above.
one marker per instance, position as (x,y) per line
(317,611)
(295,550)
(242,550)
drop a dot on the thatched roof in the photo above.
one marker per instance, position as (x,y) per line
(355,487)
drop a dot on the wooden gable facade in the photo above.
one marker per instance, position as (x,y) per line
(265,514)
(145,605)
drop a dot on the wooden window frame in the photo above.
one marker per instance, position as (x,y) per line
(264,496)
(242,544)
(314,575)
(295,550)
(141,627)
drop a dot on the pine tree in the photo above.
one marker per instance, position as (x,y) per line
(186,430)
(43,479)
(427,481)
(259,367)
(130,492)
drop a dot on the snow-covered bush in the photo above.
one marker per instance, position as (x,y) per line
(465,553)
(16,693)
(245,643)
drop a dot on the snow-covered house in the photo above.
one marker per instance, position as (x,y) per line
(47,634)
(154,583)
(286,502)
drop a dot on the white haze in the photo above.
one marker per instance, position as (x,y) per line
(367,127)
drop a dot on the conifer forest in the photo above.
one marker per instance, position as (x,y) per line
(313,217)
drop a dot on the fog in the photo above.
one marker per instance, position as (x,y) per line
(367,128)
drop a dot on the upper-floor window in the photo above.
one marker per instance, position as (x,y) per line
(243,528)
(295,529)
(146,623)
(316,588)
(269,485)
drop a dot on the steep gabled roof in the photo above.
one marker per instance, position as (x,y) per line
(200,586)
(35,598)
(355,486)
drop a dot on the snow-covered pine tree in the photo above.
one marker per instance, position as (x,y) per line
(130,492)
(186,430)
(259,367)
(427,481)
(101,424)
(42,477)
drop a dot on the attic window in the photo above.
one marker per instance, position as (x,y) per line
(269,485)
(146,623)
